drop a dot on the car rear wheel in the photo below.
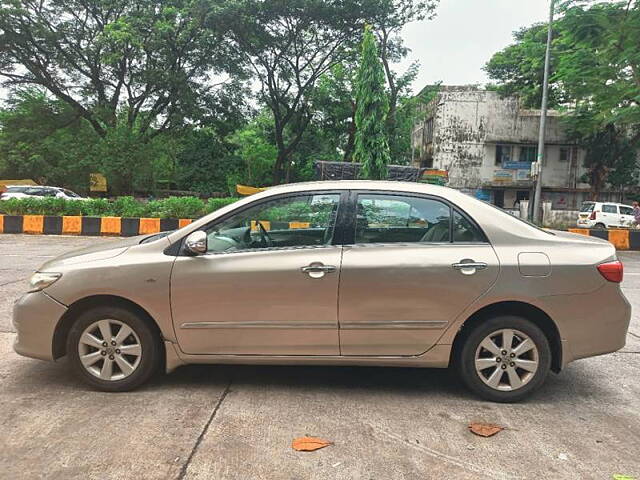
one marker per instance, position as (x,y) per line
(504,359)
(113,349)
(600,226)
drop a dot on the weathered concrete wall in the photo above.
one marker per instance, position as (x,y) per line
(468,123)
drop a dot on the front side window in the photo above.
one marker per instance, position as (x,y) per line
(609,209)
(626,210)
(298,221)
(394,218)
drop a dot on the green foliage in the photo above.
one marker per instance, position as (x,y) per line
(595,79)
(172,207)
(371,147)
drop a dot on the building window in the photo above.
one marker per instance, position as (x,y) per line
(528,154)
(503,154)
(565,154)
(428,131)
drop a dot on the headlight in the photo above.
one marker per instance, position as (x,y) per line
(40,280)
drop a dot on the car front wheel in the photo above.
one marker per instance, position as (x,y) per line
(113,349)
(505,359)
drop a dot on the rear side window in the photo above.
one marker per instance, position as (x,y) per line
(385,218)
(465,231)
(609,209)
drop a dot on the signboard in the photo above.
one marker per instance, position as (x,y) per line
(484,195)
(434,176)
(503,176)
(523,175)
(97,182)
(516,165)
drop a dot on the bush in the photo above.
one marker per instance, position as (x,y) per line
(172,207)
(214,204)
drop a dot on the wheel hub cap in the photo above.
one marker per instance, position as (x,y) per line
(506,359)
(110,350)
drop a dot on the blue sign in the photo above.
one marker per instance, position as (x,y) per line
(516,165)
(484,195)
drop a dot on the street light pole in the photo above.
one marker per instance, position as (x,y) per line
(537,170)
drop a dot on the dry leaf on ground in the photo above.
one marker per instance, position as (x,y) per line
(309,444)
(485,429)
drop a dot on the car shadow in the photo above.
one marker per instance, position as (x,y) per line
(572,386)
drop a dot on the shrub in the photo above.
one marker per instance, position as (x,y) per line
(128,207)
(172,207)
(214,204)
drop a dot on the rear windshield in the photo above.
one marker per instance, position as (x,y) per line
(587,207)
(518,218)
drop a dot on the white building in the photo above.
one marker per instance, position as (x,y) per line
(487,143)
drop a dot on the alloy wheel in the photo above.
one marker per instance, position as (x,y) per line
(109,349)
(506,359)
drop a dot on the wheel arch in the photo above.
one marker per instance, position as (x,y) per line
(521,309)
(82,305)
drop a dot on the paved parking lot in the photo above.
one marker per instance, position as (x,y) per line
(223,422)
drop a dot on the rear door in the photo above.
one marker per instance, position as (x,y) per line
(610,215)
(414,263)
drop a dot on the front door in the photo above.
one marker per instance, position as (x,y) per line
(415,265)
(610,215)
(268,284)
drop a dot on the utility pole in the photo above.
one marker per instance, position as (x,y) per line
(536,168)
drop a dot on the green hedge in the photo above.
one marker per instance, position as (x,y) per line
(172,207)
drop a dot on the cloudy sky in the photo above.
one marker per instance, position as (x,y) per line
(454,46)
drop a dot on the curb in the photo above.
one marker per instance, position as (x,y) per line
(92,226)
(621,239)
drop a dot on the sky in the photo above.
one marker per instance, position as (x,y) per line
(454,46)
(463,36)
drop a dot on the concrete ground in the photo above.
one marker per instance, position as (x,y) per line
(209,422)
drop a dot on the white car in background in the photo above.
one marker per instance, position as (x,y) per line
(37,191)
(605,215)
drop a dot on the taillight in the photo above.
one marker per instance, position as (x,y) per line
(611,271)
(593,215)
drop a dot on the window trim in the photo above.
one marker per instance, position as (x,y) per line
(350,232)
(336,238)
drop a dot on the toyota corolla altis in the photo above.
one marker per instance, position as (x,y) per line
(334,273)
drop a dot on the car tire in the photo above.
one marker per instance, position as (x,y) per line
(601,226)
(119,363)
(475,362)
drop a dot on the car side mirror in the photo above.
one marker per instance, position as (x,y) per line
(196,243)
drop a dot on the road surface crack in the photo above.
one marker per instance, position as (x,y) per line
(185,466)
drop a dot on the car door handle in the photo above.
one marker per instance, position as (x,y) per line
(469,267)
(318,268)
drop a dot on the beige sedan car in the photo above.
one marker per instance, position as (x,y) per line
(334,273)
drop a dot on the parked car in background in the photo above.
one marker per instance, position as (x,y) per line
(30,191)
(605,215)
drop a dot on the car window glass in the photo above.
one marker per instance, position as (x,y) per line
(626,210)
(609,209)
(15,190)
(587,207)
(401,219)
(299,221)
(464,230)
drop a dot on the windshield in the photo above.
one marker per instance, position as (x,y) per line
(587,207)
(69,193)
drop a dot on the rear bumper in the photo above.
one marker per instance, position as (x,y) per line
(35,316)
(591,324)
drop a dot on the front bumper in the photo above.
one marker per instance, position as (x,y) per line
(35,316)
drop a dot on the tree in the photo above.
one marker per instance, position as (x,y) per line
(371,148)
(387,23)
(595,80)
(289,46)
(143,65)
